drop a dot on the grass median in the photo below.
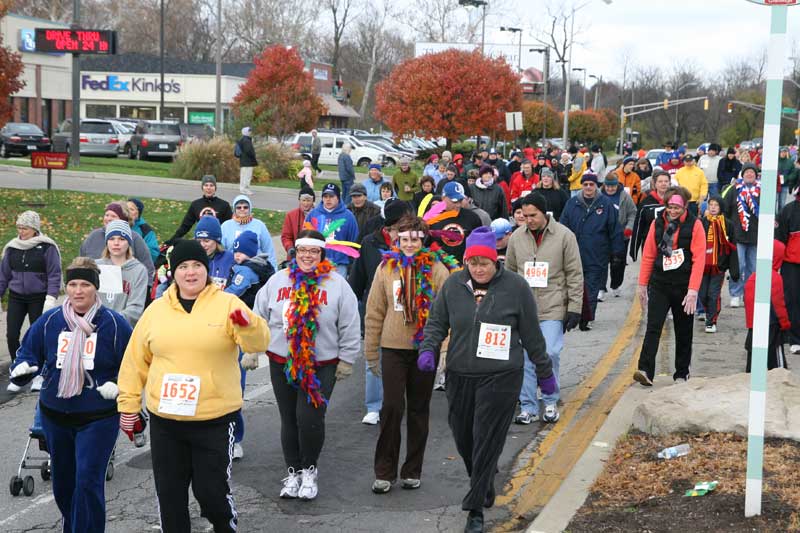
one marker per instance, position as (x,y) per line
(68,216)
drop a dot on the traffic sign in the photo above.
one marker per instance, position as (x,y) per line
(51,160)
(788,111)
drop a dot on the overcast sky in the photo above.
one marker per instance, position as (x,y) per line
(706,33)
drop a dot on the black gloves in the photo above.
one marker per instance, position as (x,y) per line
(571,320)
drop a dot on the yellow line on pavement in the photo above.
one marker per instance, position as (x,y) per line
(574,403)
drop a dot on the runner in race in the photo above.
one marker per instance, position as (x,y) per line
(315,337)
(79,347)
(184,354)
(491,317)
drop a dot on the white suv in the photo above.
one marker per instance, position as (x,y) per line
(363,155)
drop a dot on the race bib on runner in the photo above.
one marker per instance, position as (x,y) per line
(219,282)
(87,355)
(674,261)
(397,289)
(536,273)
(179,394)
(494,341)
(287,305)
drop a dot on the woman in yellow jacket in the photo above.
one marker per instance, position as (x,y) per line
(578,168)
(184,353)
(399,301)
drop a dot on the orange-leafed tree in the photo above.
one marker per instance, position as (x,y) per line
(278,97)
(533,117)
(10,72)
(589,126)
(448,94)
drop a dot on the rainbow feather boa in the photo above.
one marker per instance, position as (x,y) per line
(302,330)
(423,293)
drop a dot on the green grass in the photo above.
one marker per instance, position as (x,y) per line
(68,216)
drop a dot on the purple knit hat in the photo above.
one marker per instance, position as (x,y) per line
(481,242)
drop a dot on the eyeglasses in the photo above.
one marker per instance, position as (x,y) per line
(308,251)
(243,206)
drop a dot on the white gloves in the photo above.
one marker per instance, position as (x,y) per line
(249,361)
(23,369)
(49,303)
(108,390)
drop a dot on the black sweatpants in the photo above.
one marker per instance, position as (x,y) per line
(776,357)
(662,298)
(315,162)
(708,297)
(302,424)
(791,288)
(480,411)
(20,306)
(199,453)
(403,382)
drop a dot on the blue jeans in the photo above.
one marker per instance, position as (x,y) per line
(553,331)
(373,391)
(78,460)
(747,266)
(346,191)
(238,428)
(574,193)
(713,189)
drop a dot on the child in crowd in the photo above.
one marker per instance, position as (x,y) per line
(720,256)
(128,298)
(220,260)
(387,193)
(306,175)
(778,316)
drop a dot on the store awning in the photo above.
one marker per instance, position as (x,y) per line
(336,108)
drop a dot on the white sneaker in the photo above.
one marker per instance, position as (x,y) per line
(291,484)
(36,384)
(551,415)
(13,388)
(308,485)
(238,452)
(371,418)
(711,328)
(794,348)
(736,301)
(439,384)
(615,292)
(601,296)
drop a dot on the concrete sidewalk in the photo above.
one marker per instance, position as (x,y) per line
(714,355)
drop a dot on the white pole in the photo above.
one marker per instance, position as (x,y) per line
(565,136)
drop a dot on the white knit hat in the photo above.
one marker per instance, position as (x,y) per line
(30,219)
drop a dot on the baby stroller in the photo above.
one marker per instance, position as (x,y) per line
(40,462)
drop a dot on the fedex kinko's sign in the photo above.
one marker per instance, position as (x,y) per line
(132,84)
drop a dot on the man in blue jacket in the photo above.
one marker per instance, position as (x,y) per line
(329,212)
(595,222)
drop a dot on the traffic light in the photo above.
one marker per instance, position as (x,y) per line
(705,104)
(730,107)
(666,103)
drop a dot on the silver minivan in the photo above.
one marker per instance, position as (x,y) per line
(97,137)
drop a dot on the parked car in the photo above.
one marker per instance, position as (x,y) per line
(22,138)
(97,137)
(362,154)
(153,138)
(652,155)
(196,132)
(388,145)
(124,131)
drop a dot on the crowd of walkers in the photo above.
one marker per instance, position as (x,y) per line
(464,278)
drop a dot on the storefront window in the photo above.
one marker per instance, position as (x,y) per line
(143,113)
(100,111)
(173,113)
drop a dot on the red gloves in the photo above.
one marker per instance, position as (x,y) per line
(131,423)
(239,318)
(628,233)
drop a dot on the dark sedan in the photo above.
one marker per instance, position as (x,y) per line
(22,138)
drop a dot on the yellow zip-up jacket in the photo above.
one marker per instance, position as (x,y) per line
(203,344)
(575,177)
(694,180)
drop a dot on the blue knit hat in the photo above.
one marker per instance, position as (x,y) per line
(376,166)
(119,228)
(139,205)
(246,243)
(208,228)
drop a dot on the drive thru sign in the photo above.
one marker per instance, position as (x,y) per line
(50,161)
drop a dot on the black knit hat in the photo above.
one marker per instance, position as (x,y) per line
(393,211)
(537,200)
(187,250)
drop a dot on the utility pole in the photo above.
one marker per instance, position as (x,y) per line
(519,53)
(478,3)
(75,134)
(218,100)
(161,45)
(598,81)
(584,85)
(545,80)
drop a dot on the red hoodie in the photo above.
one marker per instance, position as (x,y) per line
(778,304)
(519,184)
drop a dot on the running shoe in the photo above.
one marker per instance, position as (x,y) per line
(308,485)
(794,348)
(410,483)
(711,328)
(615,292)
(291,485)
(526,418)
(36,384)
(601,296)
(381,486)
(736,301)
(550,415)
(372,418)
(238,452)
(641,377)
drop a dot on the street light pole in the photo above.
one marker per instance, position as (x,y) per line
(218,100)
(584,85)
(598,81)
(519,53)
(161,44)
(677,96)
(545,79)
(479,3)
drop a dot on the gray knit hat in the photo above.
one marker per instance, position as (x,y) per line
(30,219)
(208,178)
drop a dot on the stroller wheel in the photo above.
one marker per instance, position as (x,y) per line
(110,472)
(45,471)
(27,485)
(15,485)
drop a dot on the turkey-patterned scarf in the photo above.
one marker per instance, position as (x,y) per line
(70,383)
(747,200)
(416,275)
(302,330)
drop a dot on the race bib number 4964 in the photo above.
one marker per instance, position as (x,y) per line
(179,394)
(536,273)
